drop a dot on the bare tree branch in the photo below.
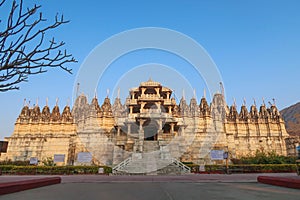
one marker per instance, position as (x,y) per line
(23,49)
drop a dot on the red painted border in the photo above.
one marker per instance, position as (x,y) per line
(280,181)
(10,187)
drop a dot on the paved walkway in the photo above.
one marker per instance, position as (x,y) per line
(157,191)
(195,186)
(183,178)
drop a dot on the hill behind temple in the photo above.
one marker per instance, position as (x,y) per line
(291,116)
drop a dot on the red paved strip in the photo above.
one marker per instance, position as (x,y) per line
(10,187)
(280,181)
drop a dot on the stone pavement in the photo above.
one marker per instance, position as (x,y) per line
(157,191)
(136,178)
(215,186)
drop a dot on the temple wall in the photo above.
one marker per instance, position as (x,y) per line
(91,128)
(39,140)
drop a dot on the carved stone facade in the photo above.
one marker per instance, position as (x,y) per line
(150,120)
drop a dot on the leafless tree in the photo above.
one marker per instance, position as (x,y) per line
(24,50)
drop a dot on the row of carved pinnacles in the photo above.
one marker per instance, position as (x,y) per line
(35,115)
(232,114)
(117,109)
(271,113)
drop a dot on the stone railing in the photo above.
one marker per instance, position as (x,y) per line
(121,165)
(182,166)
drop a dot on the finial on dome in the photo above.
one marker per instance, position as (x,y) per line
(68,101)
(47,101)
(270,103)
(274,101)
(107,93)
(24,102)
(95,93)
(37,102)
(183,94)
(204,93)
(254,101)
(222,89)
(263,100)
(118,93)
(150,79)
(56,103)
(234,102)
(194,93)
(77,89)
(244,101)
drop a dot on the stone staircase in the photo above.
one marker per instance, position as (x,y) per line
(152,161)
(150,146)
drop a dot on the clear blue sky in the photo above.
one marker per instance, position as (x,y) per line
(255,45)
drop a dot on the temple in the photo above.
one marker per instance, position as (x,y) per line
(150,126)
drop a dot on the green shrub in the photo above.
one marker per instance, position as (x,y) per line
(47,170)
(246,168)
(262,157)
(18,163)
(48,162)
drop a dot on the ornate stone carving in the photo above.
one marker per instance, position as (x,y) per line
(274,113)
(176,111)
(35,114)
(184,108)
(263,112)
(46,114)
(106,107)
(117,108)
(254,112)
(194,107)
(244,113)
(66,115)
(233,114)
(204,107)
(55,115)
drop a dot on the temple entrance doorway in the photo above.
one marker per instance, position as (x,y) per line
(150,131)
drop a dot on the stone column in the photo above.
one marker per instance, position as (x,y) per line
(158,106)
(172,127)
(142,107)
(157,92)
(143,91)
(131,109)
(168,95)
